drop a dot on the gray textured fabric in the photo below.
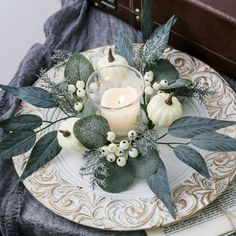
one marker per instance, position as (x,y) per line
(76,27)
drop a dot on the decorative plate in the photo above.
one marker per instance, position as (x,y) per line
(60,188)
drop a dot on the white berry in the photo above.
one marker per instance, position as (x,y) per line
(163,83)
(132,134)
(121,161)
(93,87)
(80,84)
(133,152)
(104,150)
(147,83)
(71,88)
(156,86)
(80,92)
(149,76)
(119,152)
(78,106)
(111,157)
(124,144)
(112,147)
(111,136)
(148,90)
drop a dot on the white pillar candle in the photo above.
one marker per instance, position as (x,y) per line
(120,108)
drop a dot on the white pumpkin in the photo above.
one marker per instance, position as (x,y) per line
(163,109)
(117,73)
(66,138)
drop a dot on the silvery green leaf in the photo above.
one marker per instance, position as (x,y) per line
(146,20)
(190,126)
(33,95)
(192,158)
(16,143)
(91,131)
(21,122)
(146,163)
(213,141)
(117,179)
(45,150)
(124,47)
(78,67)
(157,42)
(158,183)
(163,70)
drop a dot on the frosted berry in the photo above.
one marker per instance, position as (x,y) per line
(112,147)
(80,84)
(156,86)
(132,134)
(121,161)
(119,152)
(71,88)
(133,152)
(148,76)
(104,150)
(78,106)
(111,136)
(149,90)
(163,83)
(124,144)
(111,157)
(80,92)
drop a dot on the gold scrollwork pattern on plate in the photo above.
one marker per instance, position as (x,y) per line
(104,211)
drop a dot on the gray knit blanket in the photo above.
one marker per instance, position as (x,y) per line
(75,28)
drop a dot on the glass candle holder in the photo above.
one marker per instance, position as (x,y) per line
(117,91)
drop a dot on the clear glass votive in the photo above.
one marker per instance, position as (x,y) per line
(117,91)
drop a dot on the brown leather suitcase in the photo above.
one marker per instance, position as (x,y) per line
(205,29)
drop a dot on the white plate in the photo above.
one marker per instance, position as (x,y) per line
(61,189)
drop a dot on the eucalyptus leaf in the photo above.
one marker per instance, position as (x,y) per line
(213,141)
(163,70)
(192,158)
(124,47)
(33,95)
(45,150)
(146,163)
(118,179)
(16,143)
(21,122)
(158,183)
(190,126)
(78,67)
(91,131)
(157,42)
(179,83)
(146,20)
(89,109)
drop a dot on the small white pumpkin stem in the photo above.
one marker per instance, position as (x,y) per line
(168,101)
(110,56)
(65,133)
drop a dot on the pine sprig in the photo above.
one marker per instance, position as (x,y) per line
(59,93)
(59,58)
(138,62)
(195,90)
(147,139)
(93,167)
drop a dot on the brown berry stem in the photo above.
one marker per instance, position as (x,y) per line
(110,56)
(65,133)
(168,101)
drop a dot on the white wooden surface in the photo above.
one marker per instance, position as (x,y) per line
(21,25)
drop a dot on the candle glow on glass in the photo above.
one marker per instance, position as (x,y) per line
(120,109)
